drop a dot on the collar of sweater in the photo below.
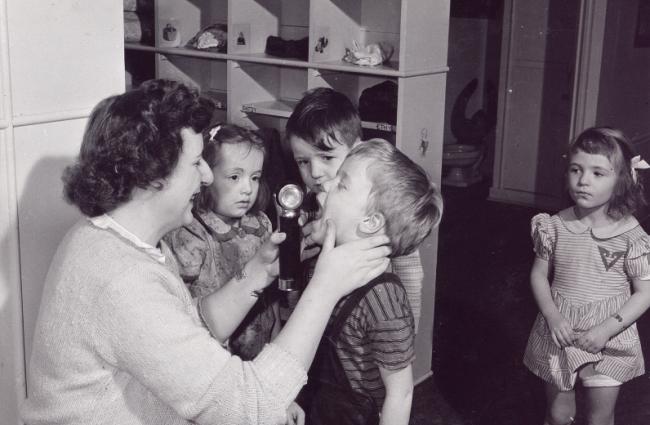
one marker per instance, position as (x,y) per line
(105,221)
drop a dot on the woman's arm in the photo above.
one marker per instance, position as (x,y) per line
(561,331)
(594,340)
(338,271)
(399,395)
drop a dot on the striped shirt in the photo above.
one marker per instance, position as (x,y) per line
(378,333)
(591,272)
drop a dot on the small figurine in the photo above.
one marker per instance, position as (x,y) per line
(241,40)
(321,45)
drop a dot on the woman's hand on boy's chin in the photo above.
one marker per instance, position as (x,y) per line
(351,265)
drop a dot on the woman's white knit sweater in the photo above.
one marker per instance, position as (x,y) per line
(118,341)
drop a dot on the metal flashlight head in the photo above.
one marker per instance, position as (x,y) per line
(289,199)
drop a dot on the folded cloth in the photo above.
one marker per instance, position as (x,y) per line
(371,55)
(213,38)
(298,49)
(379,103)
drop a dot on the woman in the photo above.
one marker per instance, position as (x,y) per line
(118,339)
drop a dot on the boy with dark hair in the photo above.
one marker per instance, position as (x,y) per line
(321,131)
(363,363)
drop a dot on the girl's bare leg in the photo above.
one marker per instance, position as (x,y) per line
(560,406)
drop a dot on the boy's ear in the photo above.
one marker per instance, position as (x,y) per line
(372,223)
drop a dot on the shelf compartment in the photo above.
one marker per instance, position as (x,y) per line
(263,90)
(337,23)
(252,21)
(202,73)
(352,85)
(179,20)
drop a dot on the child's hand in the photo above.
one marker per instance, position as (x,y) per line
(295,414)
(593,341)
(561,331)
(313,236)
(266,258)
(351,265)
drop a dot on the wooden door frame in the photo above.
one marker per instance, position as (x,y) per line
(589,54)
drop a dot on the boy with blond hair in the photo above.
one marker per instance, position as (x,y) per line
(362,372)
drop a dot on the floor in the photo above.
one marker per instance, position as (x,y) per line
(483,313)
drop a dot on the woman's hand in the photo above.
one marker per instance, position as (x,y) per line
(351,265)
(561,331)
(593,341)
(295,414)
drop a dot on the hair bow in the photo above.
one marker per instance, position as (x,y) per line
(215,130)
(637,163)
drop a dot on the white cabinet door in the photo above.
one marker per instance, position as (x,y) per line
(535,102)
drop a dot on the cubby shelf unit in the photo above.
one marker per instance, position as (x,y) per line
(259,90)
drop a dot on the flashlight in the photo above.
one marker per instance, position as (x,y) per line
(289,199)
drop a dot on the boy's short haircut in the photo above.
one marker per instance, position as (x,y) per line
(402,192)
(322,115)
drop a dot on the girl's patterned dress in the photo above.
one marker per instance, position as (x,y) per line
(210,253)
(591,271)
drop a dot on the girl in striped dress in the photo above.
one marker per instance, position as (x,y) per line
(591,281)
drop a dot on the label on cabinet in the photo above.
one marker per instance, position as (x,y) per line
(241,39)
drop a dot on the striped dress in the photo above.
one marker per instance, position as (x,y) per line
(379,332)
(591,272)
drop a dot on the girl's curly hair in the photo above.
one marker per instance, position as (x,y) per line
(133,141)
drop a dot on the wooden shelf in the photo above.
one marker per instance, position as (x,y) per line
(263,58)
(388,70)
(281,108)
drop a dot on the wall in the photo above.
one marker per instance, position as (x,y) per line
(473,53)
(624,96)
(58,59)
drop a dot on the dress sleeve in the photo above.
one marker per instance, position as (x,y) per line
(390,327)
(637,262)
(189,247)
(409,270)
(542,236)
(147,331)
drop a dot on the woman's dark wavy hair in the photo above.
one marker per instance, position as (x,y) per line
(133,140)
(628,195)
(233,135)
